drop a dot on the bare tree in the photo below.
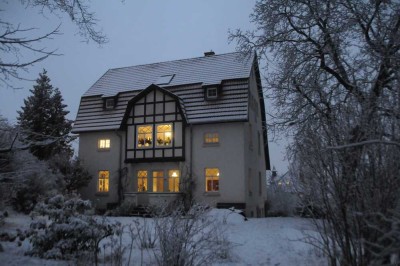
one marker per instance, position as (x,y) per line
(14,40)
(335,84)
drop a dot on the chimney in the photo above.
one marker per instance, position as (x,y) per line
(210,53)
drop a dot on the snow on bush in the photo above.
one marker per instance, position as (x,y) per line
(190,238)
(71,232)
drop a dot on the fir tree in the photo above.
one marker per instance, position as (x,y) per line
(42,120)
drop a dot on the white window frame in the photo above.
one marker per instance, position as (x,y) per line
(109,106)
(212,89)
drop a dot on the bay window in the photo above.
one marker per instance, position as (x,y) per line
(162,135)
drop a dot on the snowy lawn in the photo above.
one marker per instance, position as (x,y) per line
(261,241)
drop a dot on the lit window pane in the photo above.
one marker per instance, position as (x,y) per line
(212,179)
(104,177)
(145,136)
(142,181)
(173,180)
(164,135)
(158,181)
(104,143)
(211,138)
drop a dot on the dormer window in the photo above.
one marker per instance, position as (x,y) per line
(109,103)
(212,93)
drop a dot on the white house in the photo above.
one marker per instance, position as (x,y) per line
(145,131)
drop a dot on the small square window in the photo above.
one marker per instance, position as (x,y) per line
(104,144)
(211,138)
(110,103)
(212,93)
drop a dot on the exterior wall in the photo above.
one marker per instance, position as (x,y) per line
(95,160)
(227,155)
(254,155)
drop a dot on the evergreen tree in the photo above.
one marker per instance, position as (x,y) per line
(42,120)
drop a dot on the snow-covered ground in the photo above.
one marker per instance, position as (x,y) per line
(258,241)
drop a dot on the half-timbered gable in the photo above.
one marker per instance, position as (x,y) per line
(154,123)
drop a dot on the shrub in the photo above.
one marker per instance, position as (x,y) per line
(71,231)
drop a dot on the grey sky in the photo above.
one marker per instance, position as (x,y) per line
(139,32)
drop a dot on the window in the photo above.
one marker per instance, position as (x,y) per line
(212,93)
(110,103)
(145,136)
(210,138)
(173,181)
(104,177)
(212,179)
(164,135)
(142,181)
(104,144)
(158,181)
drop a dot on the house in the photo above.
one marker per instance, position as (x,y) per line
(147,131)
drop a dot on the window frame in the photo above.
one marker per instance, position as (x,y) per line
(211,97)
(144,140)
(156,135)
(176,186)
(146,178)
(213,178)
(105,187)
(106,103)
(156,180)
(105,148)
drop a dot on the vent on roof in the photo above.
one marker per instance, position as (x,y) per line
(164,80)
(210,53)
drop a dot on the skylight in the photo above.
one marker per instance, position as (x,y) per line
(164,80)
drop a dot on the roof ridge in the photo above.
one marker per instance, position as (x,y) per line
(176,60)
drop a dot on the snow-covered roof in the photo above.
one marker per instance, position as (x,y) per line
(206,70)
(185,78)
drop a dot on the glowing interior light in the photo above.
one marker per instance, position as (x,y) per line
(168,134)
(217,174)
(174,174)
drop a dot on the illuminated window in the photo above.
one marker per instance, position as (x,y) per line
(212,179)
(104,144)
(104,177)
(142,181)
(164,135)
(211,138)
(158,181)
(173,180)
(145,136)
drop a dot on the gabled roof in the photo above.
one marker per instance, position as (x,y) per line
(204,70)
(153,87)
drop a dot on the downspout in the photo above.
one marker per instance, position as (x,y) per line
(120,194)
(191,151)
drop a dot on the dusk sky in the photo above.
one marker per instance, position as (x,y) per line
(139,32)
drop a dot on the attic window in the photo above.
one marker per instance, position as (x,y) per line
(164,80)
(212,93)
(109,103)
